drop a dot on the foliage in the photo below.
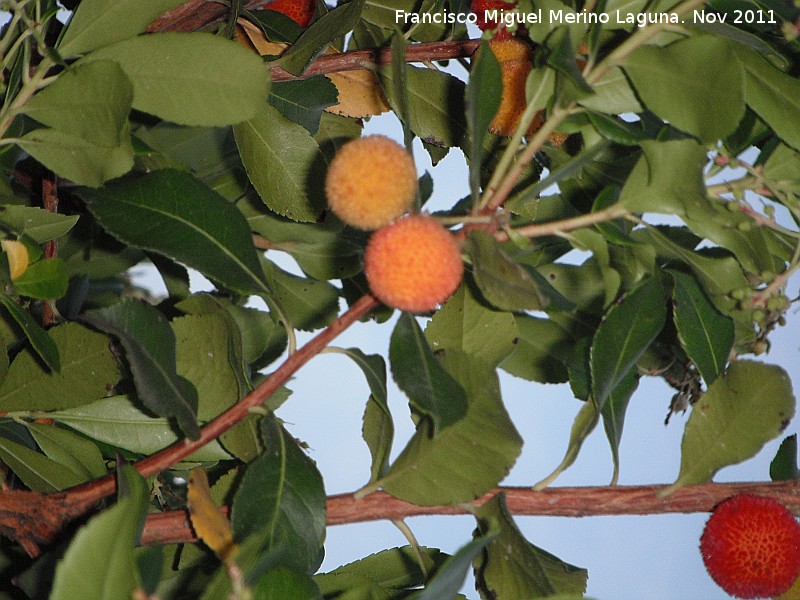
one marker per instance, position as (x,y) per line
(678,188)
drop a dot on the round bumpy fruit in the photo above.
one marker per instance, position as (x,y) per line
(371,181)
(300,11)
(514,57)
(751,547)
(480,8)
(414,264)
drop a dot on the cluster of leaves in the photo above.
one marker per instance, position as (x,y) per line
(175,148)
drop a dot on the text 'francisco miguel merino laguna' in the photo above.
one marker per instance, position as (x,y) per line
(560,16)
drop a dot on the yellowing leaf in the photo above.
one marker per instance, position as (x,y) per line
(250,36)
(209,523)
(360,94)
(17,255)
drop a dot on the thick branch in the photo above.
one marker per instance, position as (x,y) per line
(32,518)
(197,14)
(174,527)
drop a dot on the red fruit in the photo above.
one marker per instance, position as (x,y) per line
(300,11)
(751,546)
(479,7)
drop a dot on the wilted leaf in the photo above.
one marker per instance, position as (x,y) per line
(208,522)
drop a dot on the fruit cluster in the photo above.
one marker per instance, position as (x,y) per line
(411,262)
(751,547)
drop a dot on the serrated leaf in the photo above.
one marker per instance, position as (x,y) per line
(41,342)
(88,371)
(281,497)
(35,470)
(280,157)
(706,335)
(613,415)
(118,422)
(482,98)
(90,101)
(541,351)
(435,105)
(38,224)
(174,214)
(208,522)
(395,569)
(463,323)
(43,280)
(627,330)
(74,452)
(774,95)
(612,95)
(504,283)
(77,159)
(190,78)
(97,23)
(512,567)
(741,411)
(307,303)
(99,562)
(784,466)
(279,584)
(449,578)
(431,390)
(303,101)
(149,345)
(359,94)
(675,82)
(466,459)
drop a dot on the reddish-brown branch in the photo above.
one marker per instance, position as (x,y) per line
(174,527)
(32,518)
(357,59)
(197,14)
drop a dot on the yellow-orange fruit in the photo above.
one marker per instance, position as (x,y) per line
(413,264)
(514,57)
(371,181)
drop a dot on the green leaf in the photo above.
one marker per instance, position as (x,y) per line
(613,415)
(281,496)
(174,214)
(466,459)
(90,101)
(392,569)
(118,422)
(88,371)
(307,303)
(784,466)
(482,98)
(706,335)
(512,567)
(774,95)
(150,350)
(43,280)
(76,159)
(541,352)
(38,224)
(281,159)
(667,178)
(190,78)
(449,578)
(98,23)
(583,425)
(435,105)
(742,410)
(99,563)
(431,390)
(41,342)
(35,470)
(676,81)
(280,584)
(303,101)
(463,323)
(783,165)
(612,95)
(504,283)
(627,330)
(336,23)
(378,426)
(74,452)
